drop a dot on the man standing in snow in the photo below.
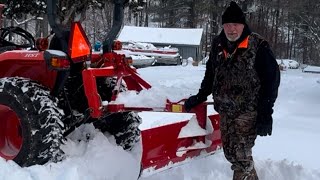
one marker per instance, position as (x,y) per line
(243,77)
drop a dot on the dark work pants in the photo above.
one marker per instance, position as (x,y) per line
(238,136)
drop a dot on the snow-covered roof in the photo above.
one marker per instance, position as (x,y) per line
(161,35)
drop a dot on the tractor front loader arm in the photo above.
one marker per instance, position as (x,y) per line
(119,69)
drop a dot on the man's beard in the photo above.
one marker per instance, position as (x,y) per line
(233,39)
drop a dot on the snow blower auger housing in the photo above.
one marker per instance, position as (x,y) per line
(46,93)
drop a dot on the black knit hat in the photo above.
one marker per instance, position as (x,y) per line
(233,14)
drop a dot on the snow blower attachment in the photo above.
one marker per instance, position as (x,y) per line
(46,94)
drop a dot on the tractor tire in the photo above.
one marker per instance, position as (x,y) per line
(31,131)
(107,85)
(124,126)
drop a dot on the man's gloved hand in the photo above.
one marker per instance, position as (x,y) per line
(264,118)
(264,124)
(193,101)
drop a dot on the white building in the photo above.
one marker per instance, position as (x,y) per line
(188,41)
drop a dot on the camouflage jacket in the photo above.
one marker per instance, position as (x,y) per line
(241,80)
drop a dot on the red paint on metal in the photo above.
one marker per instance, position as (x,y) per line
(10,133)
(90,88)
(111,65)
(160,144)
(115,107)
(28,64)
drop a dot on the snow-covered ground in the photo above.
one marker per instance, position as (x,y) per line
(291,153)
(311,69)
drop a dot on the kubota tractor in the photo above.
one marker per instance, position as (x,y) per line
(46,93)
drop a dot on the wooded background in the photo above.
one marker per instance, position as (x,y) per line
(292,27)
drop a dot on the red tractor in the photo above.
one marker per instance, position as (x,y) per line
(46,93)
